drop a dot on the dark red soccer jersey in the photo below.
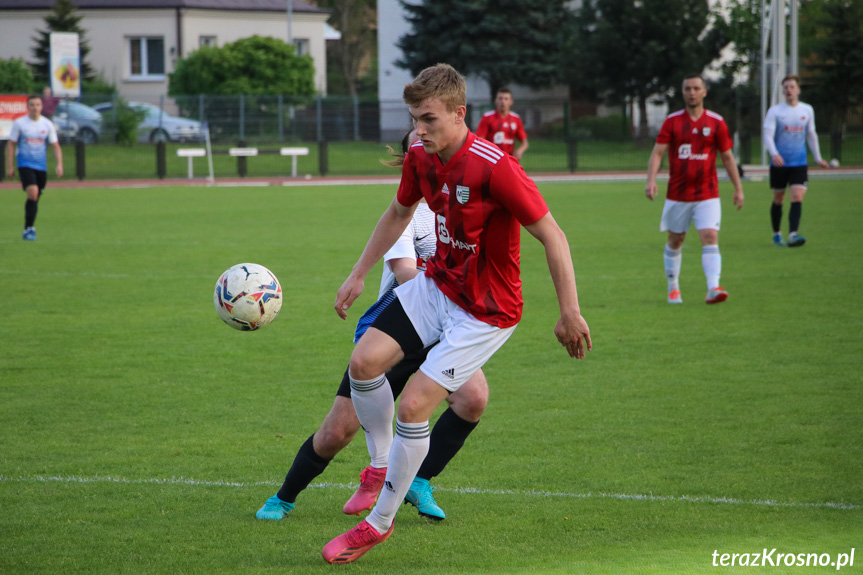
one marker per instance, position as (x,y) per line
(501,131)
(692,148)
(480,198)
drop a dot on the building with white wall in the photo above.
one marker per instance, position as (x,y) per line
(135,44)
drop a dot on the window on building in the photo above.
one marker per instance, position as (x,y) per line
(147,57)
(206,41)
(301,46)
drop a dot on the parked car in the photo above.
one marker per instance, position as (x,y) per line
(158,125)
(75,121)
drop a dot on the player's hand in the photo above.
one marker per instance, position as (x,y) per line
(824,164)
(350,291)
(738,199)
(10,173)
(573,334)
(650,190)
(778,161)
(59,170)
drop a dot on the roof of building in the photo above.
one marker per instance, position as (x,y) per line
(240,5)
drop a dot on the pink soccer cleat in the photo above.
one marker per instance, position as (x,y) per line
(716,295)
(350,546)
(371,482)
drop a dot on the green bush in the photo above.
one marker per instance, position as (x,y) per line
(15,77)
(123,123)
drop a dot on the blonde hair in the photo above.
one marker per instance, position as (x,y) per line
(399,158)
(440,81)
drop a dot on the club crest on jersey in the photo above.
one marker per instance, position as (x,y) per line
(445,189)
(462,194)
(705,131)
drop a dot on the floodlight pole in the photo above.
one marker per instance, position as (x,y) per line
(290,22)
(776,63)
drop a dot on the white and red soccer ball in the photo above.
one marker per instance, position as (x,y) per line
(248,297)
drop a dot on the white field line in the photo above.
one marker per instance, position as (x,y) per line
(469,490)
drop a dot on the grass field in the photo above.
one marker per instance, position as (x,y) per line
(140,434)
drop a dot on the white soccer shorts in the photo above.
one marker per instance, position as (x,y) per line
(466,343)
(676,216)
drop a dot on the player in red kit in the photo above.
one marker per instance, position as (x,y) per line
(692,137)
(469,298)
(503,127)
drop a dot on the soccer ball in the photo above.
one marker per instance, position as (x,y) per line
(248,297)
(834,163)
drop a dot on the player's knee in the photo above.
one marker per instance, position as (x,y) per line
(363,368)
(471,404)
(334,436)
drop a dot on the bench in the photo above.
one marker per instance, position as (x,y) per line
(191,154)
(292,152)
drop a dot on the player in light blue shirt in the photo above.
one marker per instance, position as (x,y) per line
(788,128)
(31,135)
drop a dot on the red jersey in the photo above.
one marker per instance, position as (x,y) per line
(502,131)
(692,148)
(481,197)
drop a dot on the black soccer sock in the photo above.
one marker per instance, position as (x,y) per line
(449,434)
(307,465)
(776,217)
(794,216)
(30,209)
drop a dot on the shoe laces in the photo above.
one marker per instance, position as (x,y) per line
(362,534)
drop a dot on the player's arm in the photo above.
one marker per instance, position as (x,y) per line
(769,137)
(571,329)
(812,141)
(10,158)
(653,165)
(733,175)
(405,269)
(388,229)
(58,155)
(522,148)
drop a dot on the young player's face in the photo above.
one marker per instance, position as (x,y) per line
(503,103)
(791,91)
(694,92)
(34,108)
(441,130)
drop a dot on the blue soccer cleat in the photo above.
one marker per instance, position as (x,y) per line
(777,240)
(420,496)
(274,509)
(29,234)
(794,240)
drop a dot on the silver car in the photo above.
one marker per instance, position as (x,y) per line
(159,126)
(75,121)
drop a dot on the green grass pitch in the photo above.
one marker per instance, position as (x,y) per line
(140,434)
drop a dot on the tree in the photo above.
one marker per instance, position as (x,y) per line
(356,20)
(62,18)
(15,77)
(254,65)
(502,41)
(832,53)
(642,49)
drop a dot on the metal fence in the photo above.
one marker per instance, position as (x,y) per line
(348,137)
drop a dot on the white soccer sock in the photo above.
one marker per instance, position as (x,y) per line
(711,261)
(410,447)
(672,267)
(375,407)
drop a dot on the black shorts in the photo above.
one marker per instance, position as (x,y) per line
(780,178)
(31,177)
(398,376)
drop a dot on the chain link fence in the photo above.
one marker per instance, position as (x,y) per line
(349,136)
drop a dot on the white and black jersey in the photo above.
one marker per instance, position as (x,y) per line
(417,241)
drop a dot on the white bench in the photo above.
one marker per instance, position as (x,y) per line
(191,154)
(293,153)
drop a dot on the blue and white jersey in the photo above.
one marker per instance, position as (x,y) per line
(417,241)
(33,139)
(787,129)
